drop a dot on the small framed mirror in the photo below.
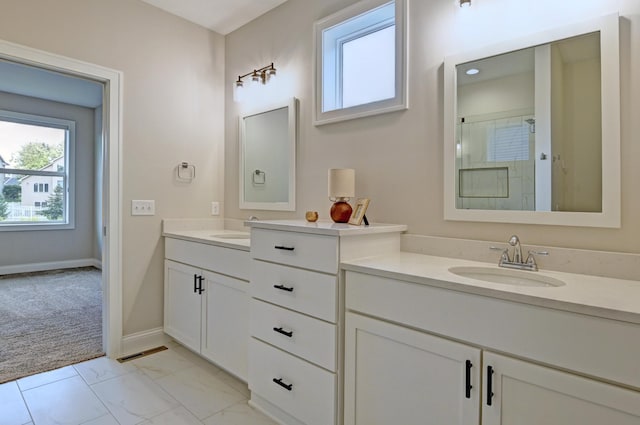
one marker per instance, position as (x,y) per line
(532,129)
(268,158)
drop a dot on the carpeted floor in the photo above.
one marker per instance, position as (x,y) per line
(49,320)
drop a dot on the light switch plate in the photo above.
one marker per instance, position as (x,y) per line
(143,207)
(215,208)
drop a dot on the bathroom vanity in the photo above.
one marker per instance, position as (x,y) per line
(559,349)
(297,314)
(206,295)
(324,320)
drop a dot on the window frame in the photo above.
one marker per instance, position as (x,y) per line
(68,221)
(401,99)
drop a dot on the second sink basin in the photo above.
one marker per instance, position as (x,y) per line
(507,277)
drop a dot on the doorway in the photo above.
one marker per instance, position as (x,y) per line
(111,81)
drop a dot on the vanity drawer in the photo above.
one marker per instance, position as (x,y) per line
(311,393)
(304,336)
(232,262)
(305,291)
(309,251)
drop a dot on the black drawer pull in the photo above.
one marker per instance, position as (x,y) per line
(489,385)
(287,387)
(283,288)
(195,283)
(467,382)
(285,248)
(283,332)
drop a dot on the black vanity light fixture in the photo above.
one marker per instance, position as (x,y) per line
(261,75)
(258,76)
(465,3)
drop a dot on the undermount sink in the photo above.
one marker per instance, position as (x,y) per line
(507,277)
(230,235)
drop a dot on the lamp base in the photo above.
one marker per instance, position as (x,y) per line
(341,212)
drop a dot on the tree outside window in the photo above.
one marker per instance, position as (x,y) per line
(55,205)
(4,208)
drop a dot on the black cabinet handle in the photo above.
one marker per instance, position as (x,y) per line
(287,387)
(467,379)
(200,288)
(283,288)
(285,248)
(283,332)
(489,385)
(195,283)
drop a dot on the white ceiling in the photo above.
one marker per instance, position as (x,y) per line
(221,16)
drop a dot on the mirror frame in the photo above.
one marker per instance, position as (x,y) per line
(290,205)
(608,26)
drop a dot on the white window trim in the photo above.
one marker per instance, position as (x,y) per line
(397,103)
(70,200)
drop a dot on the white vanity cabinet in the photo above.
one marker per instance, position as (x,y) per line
(206,301)
(430,352)
(296,326)
(525,393)
(402,376)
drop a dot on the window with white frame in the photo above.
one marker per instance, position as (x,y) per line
(36,179)
(361,61)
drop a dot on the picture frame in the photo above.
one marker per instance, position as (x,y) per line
(359,209)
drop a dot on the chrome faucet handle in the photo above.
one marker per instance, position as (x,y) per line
(504,258)
(531,251)
(531,259)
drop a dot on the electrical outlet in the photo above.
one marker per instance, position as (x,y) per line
(139,207)
(215,208)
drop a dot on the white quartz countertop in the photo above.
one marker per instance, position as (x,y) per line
(326,227)
(592,295)
(224,238)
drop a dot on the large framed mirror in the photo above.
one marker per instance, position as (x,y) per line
(532,129)
(268,158)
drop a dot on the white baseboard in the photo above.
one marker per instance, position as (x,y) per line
(141,341)
(52,265)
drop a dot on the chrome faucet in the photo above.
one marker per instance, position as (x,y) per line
(515,261)
(517,250)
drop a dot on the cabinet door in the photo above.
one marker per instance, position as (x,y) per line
(225,333)
(395,375)
(182,304)
(528,394)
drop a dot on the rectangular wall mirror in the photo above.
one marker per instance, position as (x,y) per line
(532,129)
(268,158)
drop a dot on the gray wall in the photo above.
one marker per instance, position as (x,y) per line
(398,156)
(28,247)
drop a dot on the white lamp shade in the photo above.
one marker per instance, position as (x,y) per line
(342,183)
(239,93)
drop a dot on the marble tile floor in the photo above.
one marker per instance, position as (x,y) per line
(172,387)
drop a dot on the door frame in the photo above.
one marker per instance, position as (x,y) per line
(112,176)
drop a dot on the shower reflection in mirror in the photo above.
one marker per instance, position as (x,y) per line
(529,129)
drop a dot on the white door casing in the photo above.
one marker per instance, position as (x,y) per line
(112,181)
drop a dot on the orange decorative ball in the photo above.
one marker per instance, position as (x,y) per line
(341,212)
